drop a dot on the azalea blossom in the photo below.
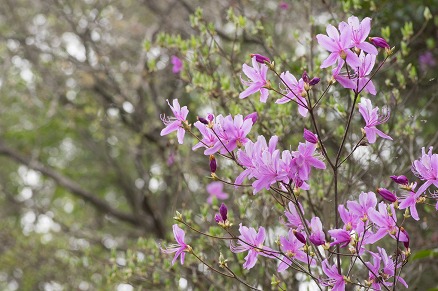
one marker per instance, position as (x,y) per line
(181,248)
(257,76)
(359,33)
(216,189)
(386,223)
(317,236)
(335,280)
(339,45)
(295,91)
(372,119)
(251,241)
(292,247)
(304,159)
(177,122)
(410,200)
(426,168)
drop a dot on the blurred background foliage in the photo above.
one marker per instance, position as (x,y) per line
(88,188)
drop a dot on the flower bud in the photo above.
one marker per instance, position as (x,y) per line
(406,243)
(310,136)
(402,180)
(305,77)
(299,236)
(253,116)
(223,210)
(379,42)
(210,117)
(202,120)
(260,58)
(213,164)
(314,81)
(387,195)
(218,218)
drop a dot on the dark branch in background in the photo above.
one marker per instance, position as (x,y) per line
(70,185)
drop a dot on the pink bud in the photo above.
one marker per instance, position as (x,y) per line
(316,240)
(223,210)
(210,117)
(314,81)
(379,42)
(310,136)
(402,180)
(387,195)
(253,116)
(260,58)
(213,164)
(218,218)
(299,236)
(406,243)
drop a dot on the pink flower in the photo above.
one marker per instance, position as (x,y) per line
(251,241)
(339,47)
(341,237)
(426,168)
(181,248)
(292,247)
(335,280)
(410,200)
(367,201)
(216,189)
(372,119)
(304,159)
(386,224)
(177,64)
(317,236)
(257,75)
(298,92)
(176,123)
(359,33)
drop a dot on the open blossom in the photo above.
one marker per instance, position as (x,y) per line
(359,33)
(335,280)
(295,91)
(177,122)
(372,119)
(251,241)
(386,223)
(257,75)
(339,45)
(426,168)
(181,248)
(304,159)
(216,189)
(293,218)
(292,247)
(341,237)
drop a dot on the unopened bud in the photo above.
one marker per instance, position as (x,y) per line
(253,116)
(299,236)
(210,117)
(202,120)
(223,210)
(314,81)
(305,77)
(260,58)
(310,136)
(387,195)
(406,243)
(379,42)
(213,164)
(402,180)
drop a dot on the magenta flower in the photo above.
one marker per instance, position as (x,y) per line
(257,75)
(341,237)
(175,123)
(359,33)
(310,136)
(304,159)
(216,189)
(296,92)
(386,223)
(379,42)
(385,272)
(251,241)
(366,202)
(335,280)
(401,180)
(410,200)
(387,195)
(222,217)
(177,64)
(372,119)
(426,168)
(317,236)
(292,247)
(339,47)
(181,248)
